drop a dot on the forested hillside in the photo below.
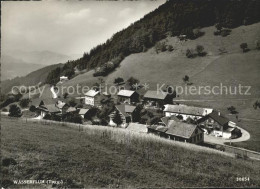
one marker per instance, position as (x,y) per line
(173,18)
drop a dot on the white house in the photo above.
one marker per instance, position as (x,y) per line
(63,79)
(186,111)
(91,97)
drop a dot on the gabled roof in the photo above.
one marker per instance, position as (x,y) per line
(184,109)
(49,101)
(180,129)
(92,93)
(83,111)
(52,108)
(126,93)
(125,108)
(176,128)
(219,118)
(155,95)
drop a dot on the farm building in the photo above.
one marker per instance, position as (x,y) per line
(71,110)
(127,96)
(63,79)
(92,97)
(178,131)
(83,112)
(218,124)
(185,111)
(48,109)
(126,114)
(63,106)
(156,99)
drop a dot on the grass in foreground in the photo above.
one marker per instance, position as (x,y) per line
(106,157)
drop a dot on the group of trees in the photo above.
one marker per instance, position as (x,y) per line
(199,51)
(222,31)
(174,18)
(67,70)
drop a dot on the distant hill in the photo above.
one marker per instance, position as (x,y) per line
(38,57)
(12,67)
(33,78)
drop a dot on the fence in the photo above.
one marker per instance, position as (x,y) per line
(240,152)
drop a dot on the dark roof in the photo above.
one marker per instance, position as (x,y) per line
(155,95)
(219,118)
(180,129)
(125,108)
(176,128)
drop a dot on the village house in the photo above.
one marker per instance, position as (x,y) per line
(219,125)
(156,99)
(71,110)
(126,113)
(127,96)
(63,106)
(63,79)
(92,98)
(48,109)
(83,112)
(178,131)
(185,111)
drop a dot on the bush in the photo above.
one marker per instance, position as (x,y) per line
(73,118)
(257,45)
(14,111)
(8,161)
(72,103)
(225,32)
(118,80)
(170,48)
(32,108)
(200,50)
(190,53)
(244,47)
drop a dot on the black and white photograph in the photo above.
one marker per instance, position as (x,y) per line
(130,94)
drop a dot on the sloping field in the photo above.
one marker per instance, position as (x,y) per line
(107,157)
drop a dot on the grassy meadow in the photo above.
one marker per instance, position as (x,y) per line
(110,157)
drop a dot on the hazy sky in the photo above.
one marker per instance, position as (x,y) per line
(67,27)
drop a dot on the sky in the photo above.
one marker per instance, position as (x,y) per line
(66,27)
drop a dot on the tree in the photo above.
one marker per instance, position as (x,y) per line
(14,111)
(32,108)
(24,102)
(200,50)
(218,26)
(244,46)
(170,48)
(117,118)
(232,110)
(190,53)
(257,45)
(186,79)
(131,81)
(72,103)
(65,95)
(73,118)
(118,80)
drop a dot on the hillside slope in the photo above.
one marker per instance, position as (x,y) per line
(107,157)
(31,79)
